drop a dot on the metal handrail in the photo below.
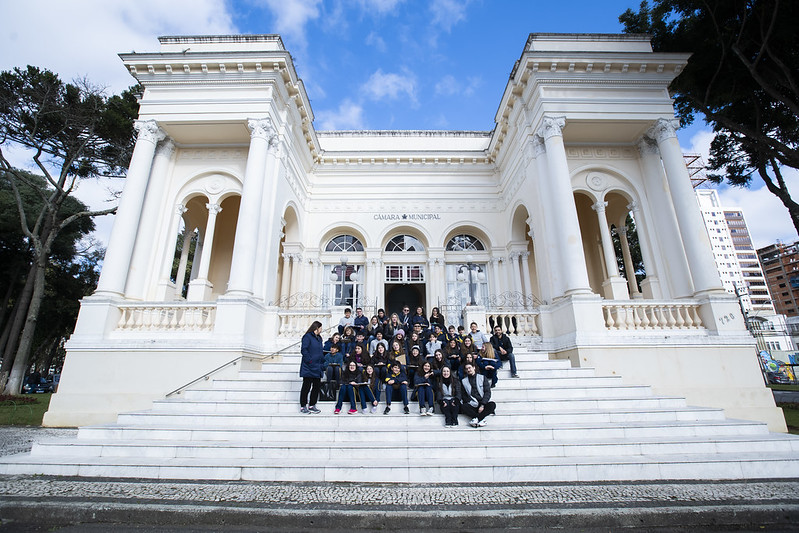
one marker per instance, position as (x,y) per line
(235,361)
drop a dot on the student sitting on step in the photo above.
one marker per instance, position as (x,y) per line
(372,380)
(489,363)
(364,391)
(468,358)
(449,397)
(415,360)
(396,383)
(425,383)
(332,364)
(360,357)
(476,397)
(437,363)
(397,352)
(347,340)
(432,345)
(380,362)
(452,353)
(350,378)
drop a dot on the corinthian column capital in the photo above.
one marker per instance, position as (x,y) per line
(664,129)
(262,128)
(551,127)
(149,131)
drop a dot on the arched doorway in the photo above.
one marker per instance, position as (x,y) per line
(411,295)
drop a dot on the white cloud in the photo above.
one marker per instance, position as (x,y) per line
(767,218)
(391,86)
(291,18)
(83,38)
(348,116)
(448,13)
(381,7)
(373,39)
(449,86)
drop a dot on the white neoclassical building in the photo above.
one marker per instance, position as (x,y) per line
(240,224)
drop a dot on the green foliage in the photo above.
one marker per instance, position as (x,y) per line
(20,411)
(741,77)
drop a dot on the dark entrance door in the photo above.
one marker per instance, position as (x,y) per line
(398,295)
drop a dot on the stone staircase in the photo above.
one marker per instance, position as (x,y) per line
(555,423)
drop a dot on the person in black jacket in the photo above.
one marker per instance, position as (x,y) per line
(425,383)
(503,349)
(396,382)
(350,378)
(449,397)
(476,397)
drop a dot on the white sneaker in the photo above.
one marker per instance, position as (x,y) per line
(422,411)
(429,411)
(481,423)
(473,422)
(373,409)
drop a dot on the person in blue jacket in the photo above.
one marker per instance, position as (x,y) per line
(332,366)
(396,382)
(311,367)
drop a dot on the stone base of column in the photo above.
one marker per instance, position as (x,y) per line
(476,314)
(166,291)
(651,288)
(200,290)
(615,288)
(720,312)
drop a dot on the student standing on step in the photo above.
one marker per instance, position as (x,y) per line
(449,394)
(476,397)
(504,349)
(311,367)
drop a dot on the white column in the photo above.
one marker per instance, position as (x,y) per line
(317,277)
(650,285)
(629,267)
(528,282)
(431,284)
(267,234)
(567,230)
(296,269)
(692,228)
(550,251)
(673,258)
(123,235)
(285,282)
(198,253)
(245,244)
(613,286)
(141,273)
(497,288)
(515,272)
(200,288)
(164,283)
(184,259)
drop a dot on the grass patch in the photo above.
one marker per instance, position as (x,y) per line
(791,412)
(773,386)
(23,410)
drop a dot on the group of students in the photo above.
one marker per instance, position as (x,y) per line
(405,353)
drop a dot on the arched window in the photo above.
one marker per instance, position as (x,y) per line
(344,243)
(404,243)
(462,243)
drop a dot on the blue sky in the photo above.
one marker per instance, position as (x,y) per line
(367,64)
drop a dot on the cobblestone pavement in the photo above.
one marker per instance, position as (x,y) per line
(332,495)
(19,439)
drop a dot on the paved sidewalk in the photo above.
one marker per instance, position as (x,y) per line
(38,503)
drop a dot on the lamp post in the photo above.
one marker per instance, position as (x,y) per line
(474,270)
(340,272)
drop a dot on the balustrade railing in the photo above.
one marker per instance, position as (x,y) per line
(649,315)
(523,323)
(294,323)
(166,317)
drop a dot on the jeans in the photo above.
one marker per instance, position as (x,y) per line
(471,412)
(450,409)
(349,390)
(512,359)
(366,395)
(425,395)
(333,373)
(382,373)
(310,384)
(391,391)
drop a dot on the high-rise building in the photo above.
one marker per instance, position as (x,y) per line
(781,265)
(735,256)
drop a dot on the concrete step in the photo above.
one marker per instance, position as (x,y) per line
(264,414)
(397,433)
(436,450)
(458,469)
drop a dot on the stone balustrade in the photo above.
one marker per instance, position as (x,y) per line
(166,317)
(650,315)
(293,324)
(520,322)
